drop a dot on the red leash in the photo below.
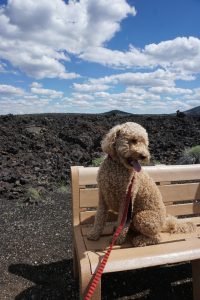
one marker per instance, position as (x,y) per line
(96,277)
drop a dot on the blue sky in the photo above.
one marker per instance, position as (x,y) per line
(140,56)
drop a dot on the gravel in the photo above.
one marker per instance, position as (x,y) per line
(36,259)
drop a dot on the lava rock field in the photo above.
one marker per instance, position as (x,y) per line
(38,150)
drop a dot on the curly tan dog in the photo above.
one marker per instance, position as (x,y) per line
(126,145)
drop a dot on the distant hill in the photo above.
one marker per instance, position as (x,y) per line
(193,111)
(116,112)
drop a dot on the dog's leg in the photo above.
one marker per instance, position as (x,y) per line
(148,222)
(100,219)
(148,225)
(122,237)
(142,240)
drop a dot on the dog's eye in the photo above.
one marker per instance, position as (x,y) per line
(133,141)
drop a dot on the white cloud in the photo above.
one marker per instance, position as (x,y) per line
(81,96)
(194,102)
(37,88)
(101,94)
(78,103)
(2,68)
(9,90)
(23,106)
(90,87)
(179,104)
(180,54)
(195,95)
(158,78)
(142,92)
(35,60)
(170,90)
(135,90)
(115,58)
(132,99)
(18,101)
(35,35)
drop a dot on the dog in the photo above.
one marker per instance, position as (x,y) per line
(126,147)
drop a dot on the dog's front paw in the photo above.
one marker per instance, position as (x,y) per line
(92,235)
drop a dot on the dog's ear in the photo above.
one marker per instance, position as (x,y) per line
(108,142)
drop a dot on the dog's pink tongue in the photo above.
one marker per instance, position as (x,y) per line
(136,165)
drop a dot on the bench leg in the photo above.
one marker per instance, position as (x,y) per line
(84,285)
(75,265)
(196,279)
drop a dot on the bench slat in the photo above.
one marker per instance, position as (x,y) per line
(104,241)
(89,197)
(170,193)
(87,176)
(109,227)
(174,172)
(136,258)
(180,192)
(183,209)
(87,217)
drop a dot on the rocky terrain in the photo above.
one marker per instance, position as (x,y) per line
(36,152)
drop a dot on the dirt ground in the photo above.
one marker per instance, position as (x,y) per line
(36,259)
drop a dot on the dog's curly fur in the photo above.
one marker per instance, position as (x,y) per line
(125,145)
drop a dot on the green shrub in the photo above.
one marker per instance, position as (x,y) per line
(190,156)
(62,187)
(151,162)
(154,162)
(33,196)
(194,151)
(97,161)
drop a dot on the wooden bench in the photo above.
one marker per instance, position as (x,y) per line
(181,197)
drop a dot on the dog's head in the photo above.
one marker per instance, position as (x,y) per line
(127,143)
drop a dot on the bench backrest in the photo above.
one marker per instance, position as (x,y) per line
(179,186)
